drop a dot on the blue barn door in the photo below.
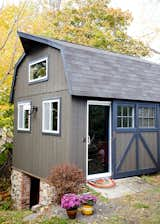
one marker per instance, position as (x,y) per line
(135,151)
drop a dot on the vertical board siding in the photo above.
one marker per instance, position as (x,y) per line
(35,152)
(56,78)
(130,159)
(122,140)
(144,158)
(78,132)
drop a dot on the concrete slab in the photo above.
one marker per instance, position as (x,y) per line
(125,186)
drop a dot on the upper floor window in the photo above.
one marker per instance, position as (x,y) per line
(125,116)
(51,116)
(23,120)
(38,70)
(146,117)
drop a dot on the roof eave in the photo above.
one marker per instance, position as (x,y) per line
(28,38)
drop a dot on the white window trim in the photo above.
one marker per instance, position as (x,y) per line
(133,117)
(29,121)
(147,117)
(58,116)
(35,62)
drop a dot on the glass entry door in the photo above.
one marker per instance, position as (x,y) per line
(98,145)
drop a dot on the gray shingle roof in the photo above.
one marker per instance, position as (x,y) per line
(98,73)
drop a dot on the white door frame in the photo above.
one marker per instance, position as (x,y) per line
(99,175)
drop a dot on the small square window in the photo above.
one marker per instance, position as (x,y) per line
(51,116)
(24,116)
(38,70)
(125,116)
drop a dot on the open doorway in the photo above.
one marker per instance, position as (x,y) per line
(98,145)
(34,191)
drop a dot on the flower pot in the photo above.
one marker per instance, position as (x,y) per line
(87,210)
(71,213)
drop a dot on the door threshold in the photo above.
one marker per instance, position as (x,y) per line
(96,177)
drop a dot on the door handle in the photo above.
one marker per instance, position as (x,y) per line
(89,140)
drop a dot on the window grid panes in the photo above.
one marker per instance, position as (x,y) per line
(24,116)
(146,117)
(125,116)
(38,70)
(50,121)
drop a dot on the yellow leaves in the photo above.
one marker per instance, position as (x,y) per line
(4,107)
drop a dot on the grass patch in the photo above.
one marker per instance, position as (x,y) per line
(12,217)
(16,217)
(5,205)
(152,179)
(56,220)
(140,205)
(115,220)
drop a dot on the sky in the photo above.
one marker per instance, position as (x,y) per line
(146,21)
(8,1)
(146,14)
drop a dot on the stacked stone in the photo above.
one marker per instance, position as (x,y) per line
(46,193)
(20,191)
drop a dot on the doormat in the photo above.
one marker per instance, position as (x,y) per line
(102,183)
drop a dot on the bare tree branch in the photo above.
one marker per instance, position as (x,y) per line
(11,66)
(15,23)
(16,18)
(154,51)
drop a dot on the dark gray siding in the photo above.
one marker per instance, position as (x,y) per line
(35,152)
(78,132)
(56,78)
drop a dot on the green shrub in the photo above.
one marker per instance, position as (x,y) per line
(6,205)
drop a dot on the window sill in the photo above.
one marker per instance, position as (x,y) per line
(30,82)
(23,131)
(51,133)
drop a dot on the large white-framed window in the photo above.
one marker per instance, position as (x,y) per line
(125,116)
(23,116)
(51,116)
(38,70)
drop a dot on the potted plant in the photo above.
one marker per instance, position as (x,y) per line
(70,202)
(87,201)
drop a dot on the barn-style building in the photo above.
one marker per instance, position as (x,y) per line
(76,104)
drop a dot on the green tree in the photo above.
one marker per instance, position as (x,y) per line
(93,23)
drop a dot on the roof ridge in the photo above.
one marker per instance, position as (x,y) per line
(87,48)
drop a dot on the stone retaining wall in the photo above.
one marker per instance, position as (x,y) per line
(20,190)
(46,193)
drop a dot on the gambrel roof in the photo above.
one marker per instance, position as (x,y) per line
(99,73)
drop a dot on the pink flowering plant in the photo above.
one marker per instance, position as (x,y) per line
(88,199)
(70,201)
